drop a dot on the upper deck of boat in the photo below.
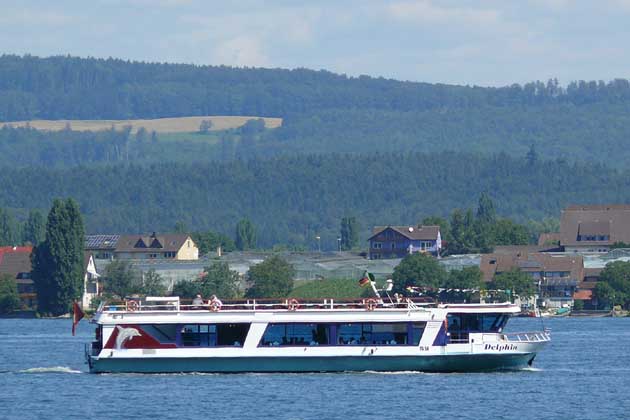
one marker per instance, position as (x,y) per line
(174,304)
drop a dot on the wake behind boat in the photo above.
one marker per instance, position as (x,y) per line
(160,335)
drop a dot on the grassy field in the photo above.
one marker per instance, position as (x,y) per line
(330,288)
(160,125)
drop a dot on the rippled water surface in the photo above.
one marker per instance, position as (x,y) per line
(584,373)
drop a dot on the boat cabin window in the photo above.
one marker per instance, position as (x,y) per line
(199,335)
(476,322)
(295,334)
(211,335)
(352,334)
(374,333)
(164,333)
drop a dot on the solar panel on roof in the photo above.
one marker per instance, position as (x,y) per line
(101,241)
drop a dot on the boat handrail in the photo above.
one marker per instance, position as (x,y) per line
(528,336)
(248,305)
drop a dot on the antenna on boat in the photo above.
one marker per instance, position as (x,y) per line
(389,286)
(373,284)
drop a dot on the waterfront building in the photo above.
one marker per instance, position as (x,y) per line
(399,241)
(15,261)
(170,246)
(594,228)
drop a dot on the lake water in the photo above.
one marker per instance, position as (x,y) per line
(584,373)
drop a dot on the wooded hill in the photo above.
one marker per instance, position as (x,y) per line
(347,146)
(293,199)
(326,112)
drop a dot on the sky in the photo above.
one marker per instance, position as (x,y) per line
(482,42)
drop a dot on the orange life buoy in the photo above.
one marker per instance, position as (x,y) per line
(132,305)
(293,304)
(215,305)
(370,304)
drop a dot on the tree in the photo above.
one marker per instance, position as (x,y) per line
(517,282)
(418,270)
(58,261)
(617,276)
(506,232)
(187,289)
(349,233)
(466,278)
(272,278)
(9,297)
(180,227)
(142,135)
(34,231)
(209,241)
(205,126)
(121,279)
(619,244)
(152,284)
(219,280)
(7,228)
(606,295)
(245,235)
(486,214)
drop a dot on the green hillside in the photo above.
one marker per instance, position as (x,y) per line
(293,199)
(323,112)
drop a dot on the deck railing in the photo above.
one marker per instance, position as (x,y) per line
(528,337)
(165,305)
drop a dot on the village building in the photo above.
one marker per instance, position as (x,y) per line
(16,262)
(399,241)
(92,287)
(594,228)
(556,276)
(171,246)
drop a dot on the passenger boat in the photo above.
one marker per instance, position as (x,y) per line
(160,335)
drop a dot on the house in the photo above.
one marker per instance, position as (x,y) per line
(101,247)
(91,285)
(594,228)
(174,246)
(16,262)
(399,241)
(556,276)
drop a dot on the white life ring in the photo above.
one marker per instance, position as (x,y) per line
(132,305)
(293,305)
(215,305)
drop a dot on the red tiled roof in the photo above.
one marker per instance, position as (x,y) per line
(583,295)
(15,260)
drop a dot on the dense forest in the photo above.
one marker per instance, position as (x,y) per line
(323,113)
(291,200)
(555,131)
(77,88)
(383,151)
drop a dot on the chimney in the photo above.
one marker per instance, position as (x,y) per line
(219,251)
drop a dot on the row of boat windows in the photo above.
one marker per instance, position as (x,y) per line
(353,334)
(291,334)
(200,335)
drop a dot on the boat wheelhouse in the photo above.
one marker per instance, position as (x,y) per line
(158,335)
